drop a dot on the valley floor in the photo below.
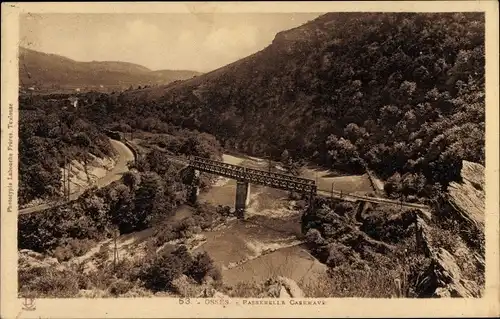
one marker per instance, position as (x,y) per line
(267,244)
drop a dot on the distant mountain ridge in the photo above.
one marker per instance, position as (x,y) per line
(45,70)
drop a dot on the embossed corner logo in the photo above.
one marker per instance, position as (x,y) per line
(29,304)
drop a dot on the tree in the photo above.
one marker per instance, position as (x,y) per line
(285,157)
(353,132)
(313,237)
(149,200)
(202,266)
(158,162)
(159,274)
(294,167)
(344,154)
(131,179)
(412,184)
(122,208)
(393,185)
(83,140)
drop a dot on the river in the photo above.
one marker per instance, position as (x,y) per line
(267,243)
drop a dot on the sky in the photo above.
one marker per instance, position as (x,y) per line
(176,41)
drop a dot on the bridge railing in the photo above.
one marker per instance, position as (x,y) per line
(255,176)
(254,171)
(352,196)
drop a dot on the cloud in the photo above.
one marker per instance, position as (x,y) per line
(137,41)
(211,47)
(231,41)
(138,30)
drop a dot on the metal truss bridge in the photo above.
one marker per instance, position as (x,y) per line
(254,176)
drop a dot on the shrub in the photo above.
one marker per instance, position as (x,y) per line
(376,280)
(168,265)
(443,238)
(82,140)
(63,253)
(314,238)
(103,253)
(245,289)
(165,233)
(74,248)
(343,208)
(119,287)
(382,225)
(393,185)
(44,282)
(185,227)
(202,266)
(164,268)
(224,210)
(339,255)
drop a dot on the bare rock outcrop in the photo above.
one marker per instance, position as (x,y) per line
(291,287)
(443,278)
(281,287)
(467,198)
(465,204)
(219,295)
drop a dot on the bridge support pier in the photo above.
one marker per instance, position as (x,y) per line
(195,189)
(193,194)
(242,198)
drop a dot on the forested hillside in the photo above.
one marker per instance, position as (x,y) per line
(47,134)
(401,93)
(50,129)
(53,71)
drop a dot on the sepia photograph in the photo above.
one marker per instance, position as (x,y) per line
(264,156)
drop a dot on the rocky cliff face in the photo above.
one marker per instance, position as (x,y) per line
(467,198)
(445,276)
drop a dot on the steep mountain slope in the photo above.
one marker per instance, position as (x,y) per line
(51,70)
(400,92)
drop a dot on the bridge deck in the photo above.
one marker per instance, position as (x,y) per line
(254,176)
(286,182)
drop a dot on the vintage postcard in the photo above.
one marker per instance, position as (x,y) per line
(259,159)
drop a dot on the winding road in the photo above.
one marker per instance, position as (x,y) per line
(124,156)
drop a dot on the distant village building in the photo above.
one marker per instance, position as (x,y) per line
(73,101)
(77,89)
